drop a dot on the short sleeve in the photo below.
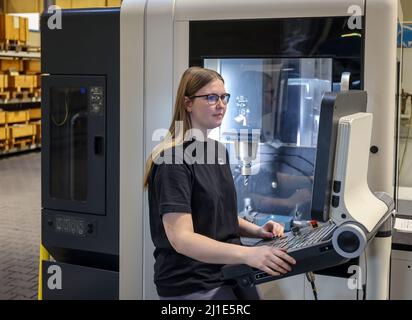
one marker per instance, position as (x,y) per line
(173,185)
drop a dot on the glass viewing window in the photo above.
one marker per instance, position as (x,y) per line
(281,99)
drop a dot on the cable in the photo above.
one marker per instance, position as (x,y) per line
(311,278)
(405,149)
(66,105)
(366,277)
(359,278)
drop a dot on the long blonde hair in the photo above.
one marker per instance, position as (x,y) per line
(193,79)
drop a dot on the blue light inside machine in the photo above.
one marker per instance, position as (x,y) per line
(83,90)
(262,218)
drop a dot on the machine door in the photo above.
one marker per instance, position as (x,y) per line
(277,71)
(73,155)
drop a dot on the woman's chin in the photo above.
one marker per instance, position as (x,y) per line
(216,124)
(218,121)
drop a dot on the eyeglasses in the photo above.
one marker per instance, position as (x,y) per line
(213,98)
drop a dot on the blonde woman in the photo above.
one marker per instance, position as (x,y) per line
(193,215)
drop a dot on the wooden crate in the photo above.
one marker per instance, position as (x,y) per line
(4,81)
(9,27)
(36,93)
(38,132)
(24,29)
(4,95)
(20,131)
(22,81)
(17,116)
(3,133)
(20,135)
(64,4)
(88,3)
(37,124)
(7,65)
(34,114)
(114,3)
(71,4)
(22,5)
(2,117)
(13,31)
(38,81)
(4,142)
(32,66)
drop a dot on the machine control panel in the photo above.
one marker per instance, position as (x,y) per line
(73,226)
(97,100)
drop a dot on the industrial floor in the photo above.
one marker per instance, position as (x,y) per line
(19,226)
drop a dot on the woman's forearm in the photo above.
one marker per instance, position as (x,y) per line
(204,249)
(248,229)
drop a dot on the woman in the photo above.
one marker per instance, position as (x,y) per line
(193,214)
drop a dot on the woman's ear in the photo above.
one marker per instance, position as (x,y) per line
(188,104)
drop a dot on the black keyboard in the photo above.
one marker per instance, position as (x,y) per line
(302,239)
(311,248)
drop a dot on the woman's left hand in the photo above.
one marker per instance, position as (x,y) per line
(271,229)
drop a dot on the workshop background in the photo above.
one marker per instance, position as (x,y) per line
(20,142)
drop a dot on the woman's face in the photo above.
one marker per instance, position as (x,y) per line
(203,115)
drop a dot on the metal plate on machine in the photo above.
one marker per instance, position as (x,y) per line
(64,281)
(97,101)
(73,226)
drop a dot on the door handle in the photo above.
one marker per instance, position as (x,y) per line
(345,81)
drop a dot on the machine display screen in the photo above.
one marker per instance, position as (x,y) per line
(278,101)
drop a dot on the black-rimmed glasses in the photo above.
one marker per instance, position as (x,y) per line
(213,98)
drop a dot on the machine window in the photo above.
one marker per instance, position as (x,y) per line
(68,143)
(280,100)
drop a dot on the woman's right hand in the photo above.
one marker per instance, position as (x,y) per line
(271,260)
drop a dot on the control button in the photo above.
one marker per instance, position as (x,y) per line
(336,186)
(90,228)
(80,230)
(374,149)
(325,248)
(96,90)
(335,201)
(348,241)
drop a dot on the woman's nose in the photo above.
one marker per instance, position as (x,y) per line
(220,104)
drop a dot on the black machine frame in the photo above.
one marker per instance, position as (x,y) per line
(83,236)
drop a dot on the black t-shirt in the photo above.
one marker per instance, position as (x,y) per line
(206,190)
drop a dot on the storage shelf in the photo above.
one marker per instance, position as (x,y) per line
(19,150)
(20,54)
(17,101)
